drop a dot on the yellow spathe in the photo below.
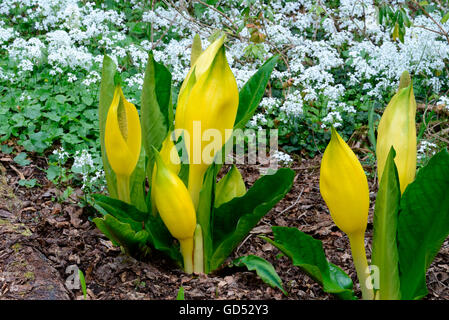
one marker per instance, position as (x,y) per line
(171,159)
(176,209)
(122,139)
(344,187)
(397,128)
(208,100)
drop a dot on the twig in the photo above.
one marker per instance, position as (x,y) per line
(241,244)
(294,203)
(222,14)
(433,20)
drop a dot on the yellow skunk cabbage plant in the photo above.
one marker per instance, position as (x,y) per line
(122,139)
(411,216)
(344,188)
(175,207)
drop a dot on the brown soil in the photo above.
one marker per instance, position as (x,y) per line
(41,240)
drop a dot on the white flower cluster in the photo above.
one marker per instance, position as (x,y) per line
(61,154)
(90,172)
(334,58)
(282,157)
(92,77)
(426,149)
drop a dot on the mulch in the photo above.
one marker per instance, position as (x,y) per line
(43,240)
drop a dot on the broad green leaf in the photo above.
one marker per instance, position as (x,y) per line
(107,88)
(229,187)
(385,250)
(156,231)
(423,224)
(156,109)
(234,220)
(205,212)
(263,268)
(252,92)
(119,209)
(133,243)
(307,253)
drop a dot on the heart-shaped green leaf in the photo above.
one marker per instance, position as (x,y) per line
(423,224)
(307,253)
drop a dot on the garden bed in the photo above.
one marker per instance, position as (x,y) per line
(42,239)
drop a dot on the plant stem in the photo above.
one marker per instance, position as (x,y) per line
(196,176)
(123,188)
(187,254)
(198,254)
(357,241)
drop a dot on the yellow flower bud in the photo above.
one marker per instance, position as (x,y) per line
(208,100)
(175,208)
(171,159)
(122,140)
(203,60)
(397,128)
(344,188)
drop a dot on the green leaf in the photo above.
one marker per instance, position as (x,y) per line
(307,253)
(229,187)
(385,250)
(133,243)
(88,100)
(252,92)
(445,18)
(31,183)
(205,211)
(120,210)
(60,98)
(156,109)
(423,224)
(180,295)
(21,159)
(234,220)
(107,88)
(83,283)
(264,270)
